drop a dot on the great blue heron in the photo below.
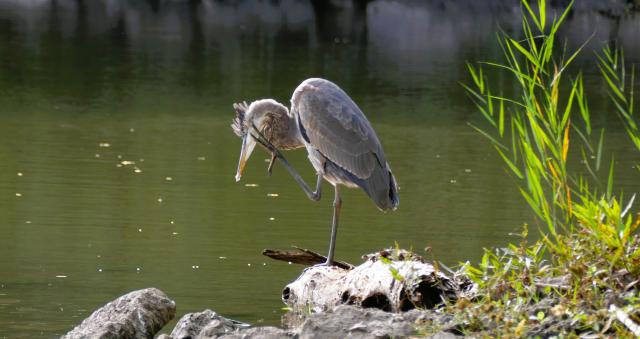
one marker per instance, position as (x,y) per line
(343,147)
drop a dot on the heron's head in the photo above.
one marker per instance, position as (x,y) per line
(260,113)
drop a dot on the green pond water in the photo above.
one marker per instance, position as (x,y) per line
(117,161)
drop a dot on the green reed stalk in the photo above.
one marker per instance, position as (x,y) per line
(541,121)
(589,232)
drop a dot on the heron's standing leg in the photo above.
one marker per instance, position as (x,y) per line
(337,205)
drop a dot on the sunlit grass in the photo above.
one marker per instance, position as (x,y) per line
(581,277)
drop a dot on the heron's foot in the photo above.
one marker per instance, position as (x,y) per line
(323,265)
(261,139)
(326,264)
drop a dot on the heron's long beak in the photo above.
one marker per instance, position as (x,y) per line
(248,143)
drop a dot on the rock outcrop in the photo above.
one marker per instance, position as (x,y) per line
(344,321)
(393,294)
(139,314)
(208,324)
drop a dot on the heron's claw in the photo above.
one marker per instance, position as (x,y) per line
(275,152)
(260,138)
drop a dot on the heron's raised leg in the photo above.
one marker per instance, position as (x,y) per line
(313,195)
(337,205)
(275,153)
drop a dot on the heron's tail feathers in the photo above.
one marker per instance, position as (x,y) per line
(393,191)
(238,122)
(382,188)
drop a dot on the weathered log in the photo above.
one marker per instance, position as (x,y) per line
(302,256)
(391,280)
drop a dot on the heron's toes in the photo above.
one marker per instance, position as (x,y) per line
(325,264)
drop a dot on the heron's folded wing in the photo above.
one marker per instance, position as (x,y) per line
(335,125)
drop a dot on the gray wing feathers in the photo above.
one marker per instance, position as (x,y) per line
(338,129)
(379,189)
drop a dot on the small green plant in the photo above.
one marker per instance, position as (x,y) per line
(393,270)
(397,254)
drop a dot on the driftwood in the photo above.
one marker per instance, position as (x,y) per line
(391,280)
(302,256)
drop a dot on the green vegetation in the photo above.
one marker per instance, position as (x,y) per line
(581,277)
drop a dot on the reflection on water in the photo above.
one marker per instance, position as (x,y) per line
(117,160)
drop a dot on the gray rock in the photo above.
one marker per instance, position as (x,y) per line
(139,314)
(342,322)
(205,324)
(444,335)
(208,324)
(267,332)
(354,322)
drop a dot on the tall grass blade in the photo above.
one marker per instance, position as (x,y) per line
(565,142)
(532,15)
(542,13)
(488,136)
(509,163)
(501,119)
(610,179)
(599,151)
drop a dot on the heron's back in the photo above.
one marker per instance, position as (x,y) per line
(335,129)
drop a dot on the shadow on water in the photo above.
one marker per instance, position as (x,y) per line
(117,160)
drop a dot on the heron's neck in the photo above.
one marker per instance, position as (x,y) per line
(282,131)
(292,137)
